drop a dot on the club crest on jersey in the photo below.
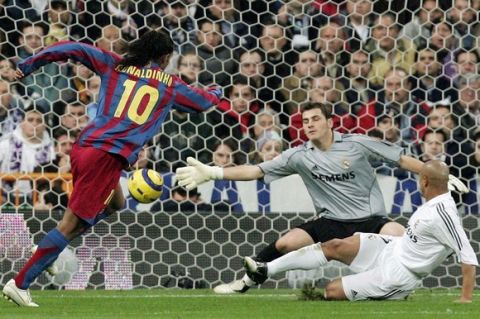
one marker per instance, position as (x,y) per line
(345,164)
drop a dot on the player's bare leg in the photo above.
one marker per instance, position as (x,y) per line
(294,239)
(44,255)
(117,202)
(393,229)
(306,258)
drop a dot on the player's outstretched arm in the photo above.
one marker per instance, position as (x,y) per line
(197,173)
(414,165)
(468,273)
(410,164)
(93,58)
(193,100)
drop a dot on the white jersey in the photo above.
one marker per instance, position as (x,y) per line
(433,233)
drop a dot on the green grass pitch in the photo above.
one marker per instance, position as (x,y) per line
(257,303)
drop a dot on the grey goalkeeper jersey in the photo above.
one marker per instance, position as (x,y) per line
(341,180)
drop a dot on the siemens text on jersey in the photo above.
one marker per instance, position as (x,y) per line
(335,177)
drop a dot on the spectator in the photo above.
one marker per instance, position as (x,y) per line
(7,73)
(189,67)
(456,145)
(467,108)
(331,44)
(53,194)
(61,17)
(224,153)
(174,18)
(265,120)
(358,90)
(419,30)
(44,88)
(440,117)
(268,146)
(358,21)
(252,65)
(429,84)
(279,57)
(121,13)
(395,101)
(390,130)
(298,20)
(466,63)
(7,69)
(111,40)
(217,58)
(11,109)
(235,114)
(28,146)
(225,194)
(296,87)
(226,14)
(443,41)
(74,118)
(432,146)
(463,16)
(388,49)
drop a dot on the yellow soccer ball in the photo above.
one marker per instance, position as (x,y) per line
(145,185)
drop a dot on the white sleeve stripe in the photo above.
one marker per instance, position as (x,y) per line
(450,225)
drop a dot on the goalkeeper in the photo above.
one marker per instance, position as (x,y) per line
(336,170)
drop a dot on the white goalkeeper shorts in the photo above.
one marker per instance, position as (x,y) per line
(378,275)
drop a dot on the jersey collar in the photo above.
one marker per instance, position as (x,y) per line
(439,198)
(337,137)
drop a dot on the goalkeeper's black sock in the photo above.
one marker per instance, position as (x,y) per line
(268,253)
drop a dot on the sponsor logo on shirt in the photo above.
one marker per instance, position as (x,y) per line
(411,235)
(335,177)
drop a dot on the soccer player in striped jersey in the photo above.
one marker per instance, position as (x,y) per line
(390,267)
(134,99)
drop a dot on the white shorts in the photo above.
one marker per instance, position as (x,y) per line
(379,276)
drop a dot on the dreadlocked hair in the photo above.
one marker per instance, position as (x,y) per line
(150,47)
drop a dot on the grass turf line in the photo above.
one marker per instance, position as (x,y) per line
(257,303)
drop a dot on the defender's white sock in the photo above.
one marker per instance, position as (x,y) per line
(306,258)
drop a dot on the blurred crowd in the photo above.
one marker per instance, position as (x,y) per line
(404,72)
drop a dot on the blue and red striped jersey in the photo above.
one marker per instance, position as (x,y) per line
(133,101)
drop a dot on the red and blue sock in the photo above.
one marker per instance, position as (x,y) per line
(47,252)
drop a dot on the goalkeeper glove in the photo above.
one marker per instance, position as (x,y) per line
(454,184)
(197,173)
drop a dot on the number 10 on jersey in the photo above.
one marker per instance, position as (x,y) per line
(138,96)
